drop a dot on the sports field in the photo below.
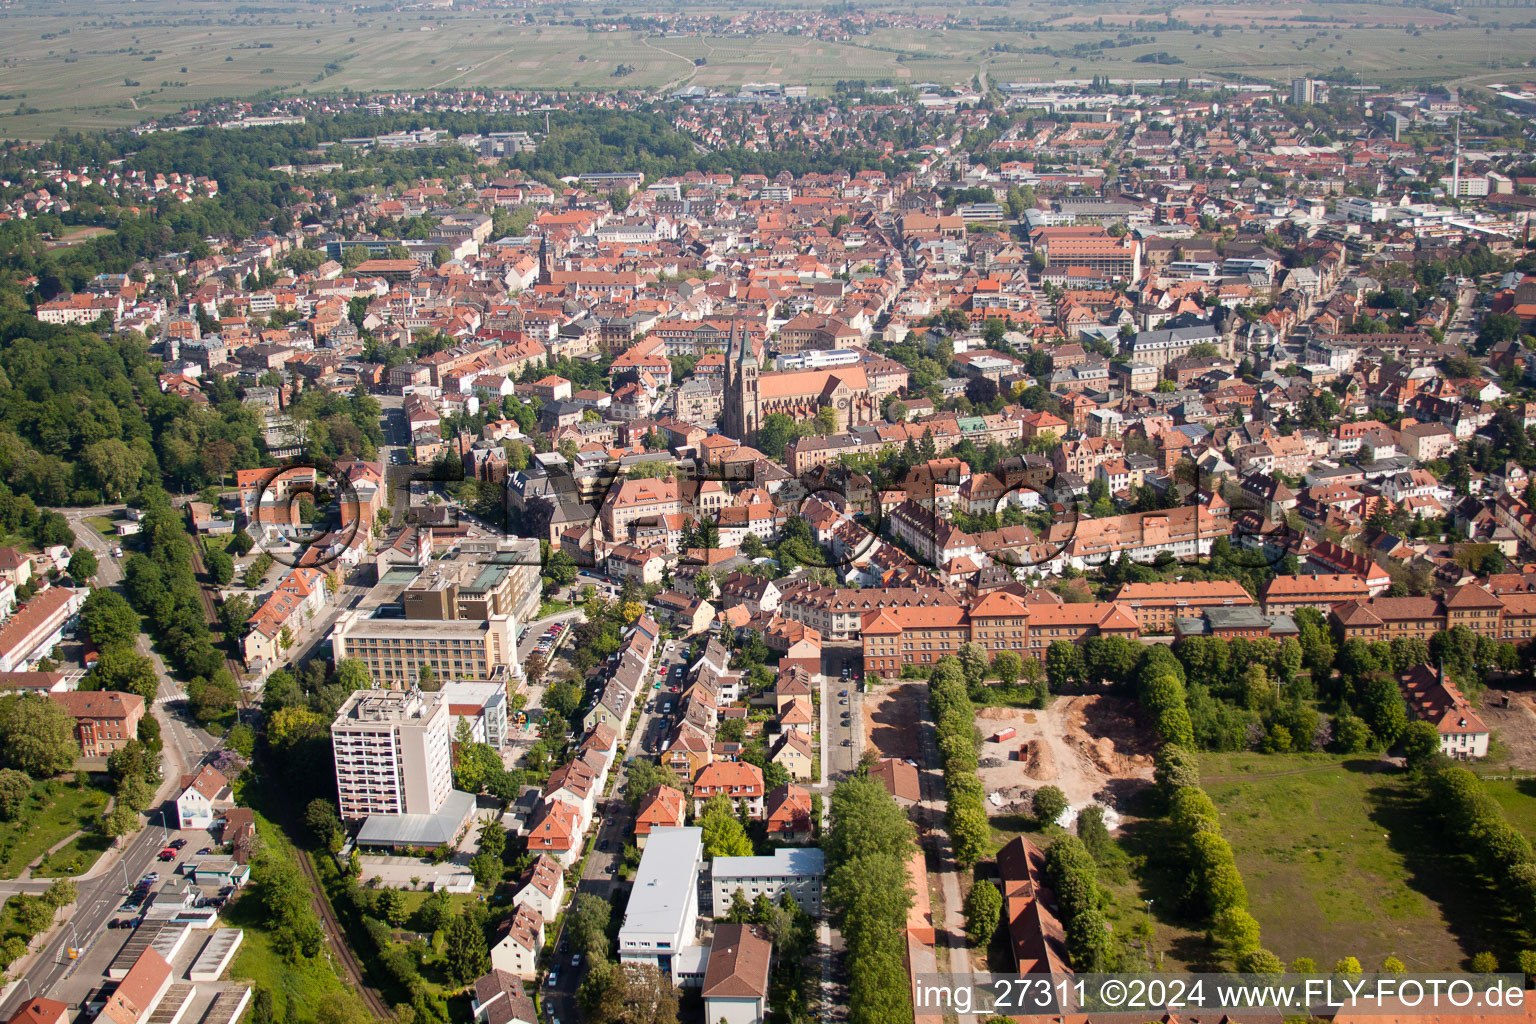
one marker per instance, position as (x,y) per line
(79,64)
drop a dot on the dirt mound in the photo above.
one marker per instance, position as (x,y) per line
(1101,753)
(1038,762)
(995,714)
(1093,720)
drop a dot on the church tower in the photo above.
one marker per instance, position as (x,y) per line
(741,395)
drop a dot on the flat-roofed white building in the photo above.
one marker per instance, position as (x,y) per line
(483,705)
(661,920)
(798,872)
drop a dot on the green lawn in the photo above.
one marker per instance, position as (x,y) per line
(75,857)
(548,607)
(1518,798)
(1338,862)
(105,525)
(53,811)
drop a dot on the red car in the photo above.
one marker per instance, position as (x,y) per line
(167,854)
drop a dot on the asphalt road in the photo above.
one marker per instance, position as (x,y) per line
(185,746)
(614,829)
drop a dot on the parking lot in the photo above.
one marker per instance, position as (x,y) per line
(129,901)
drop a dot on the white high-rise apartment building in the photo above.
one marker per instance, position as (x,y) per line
(392,753)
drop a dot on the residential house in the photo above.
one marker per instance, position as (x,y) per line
(203,795)
(793,753)
(1436,700)
(543,887)
(499,998)
(789,814)
(736,981)
(518,942)
(738,780)
(662,807)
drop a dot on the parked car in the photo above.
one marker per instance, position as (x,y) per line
(205,851)
(842,693)
(847,743)
(167,855)
(178,843)
(553,980)
(576,960)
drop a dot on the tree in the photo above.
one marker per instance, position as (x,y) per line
(108,619)
(1420,742)
(391,907)
(82,564)
(1048,804)
(122,821)
(14,790)
(1260,961)
(1485,963)
(220,566)
(212,698)
(1235,931)
(1063,665)
(983,906)
(60,894)
(352,674)
(234,614)
(322,821)
(122,668)
(1175,768)
(37,736)
(535,667)
(587,925)
(643,776)
(724,835)
(1007,666)
(134,792)
(465,952)
(1346,965)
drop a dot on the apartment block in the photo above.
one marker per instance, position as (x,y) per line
(392,753)
(396,649)
(798,872)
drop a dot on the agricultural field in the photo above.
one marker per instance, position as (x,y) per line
(1339,862)
(75,65)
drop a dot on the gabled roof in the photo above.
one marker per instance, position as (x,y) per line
(738,963)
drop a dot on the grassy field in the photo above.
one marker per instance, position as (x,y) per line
(296,987)
(81,64)
(52,812)
(1518,798)
(1338,862)
(75,857)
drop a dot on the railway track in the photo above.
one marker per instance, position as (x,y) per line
(210,606)
(337,938)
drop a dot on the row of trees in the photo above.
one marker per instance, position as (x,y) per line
(30,916)
(1073,874)
(870,893)
(160,583)
(1474,823)
(1213,887)
(954,718)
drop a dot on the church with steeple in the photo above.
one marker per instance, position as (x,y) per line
(751,395)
